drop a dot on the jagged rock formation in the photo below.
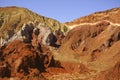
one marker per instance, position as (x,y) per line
(89,51)
(20,59)
(27,52)
(40,34)
(13,18)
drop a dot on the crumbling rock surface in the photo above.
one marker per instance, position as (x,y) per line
(18,58)
(89,51)
(36,36)
(95,46)
(91,39)
(16,17)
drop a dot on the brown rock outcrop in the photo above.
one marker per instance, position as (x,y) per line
(95,45)
(13,18)
(89,51)
(111,15)
(22,58)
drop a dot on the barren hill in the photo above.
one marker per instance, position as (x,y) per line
(112,15)
(13,18)
(95,42)
(39,49)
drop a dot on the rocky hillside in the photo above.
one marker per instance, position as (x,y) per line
(94,43)
(37,48)
(13,18)
(112,15)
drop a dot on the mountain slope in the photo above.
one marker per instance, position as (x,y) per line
(89,51)
(13,18)
(112,15)
(94,43)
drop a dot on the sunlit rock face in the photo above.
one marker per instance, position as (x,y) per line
(35,51)
(13,18)
(46,36)
(43,35)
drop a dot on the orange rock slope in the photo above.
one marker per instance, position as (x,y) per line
(95,44)
(89,51)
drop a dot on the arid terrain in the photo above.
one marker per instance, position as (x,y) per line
(34,47)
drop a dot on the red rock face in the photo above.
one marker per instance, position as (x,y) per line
(90,51)
(91,39)
(95,45)
(18,58)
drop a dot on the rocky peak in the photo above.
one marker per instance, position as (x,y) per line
(13,18)
(35,47)
(112,15)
